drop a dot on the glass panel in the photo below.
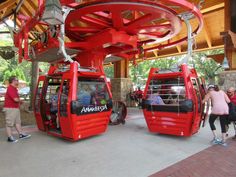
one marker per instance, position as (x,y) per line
(92,96)
(64,98)
(37,98)
(196,88)
(167,91)
(92,92)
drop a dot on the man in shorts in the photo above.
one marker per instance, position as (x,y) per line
(12,110)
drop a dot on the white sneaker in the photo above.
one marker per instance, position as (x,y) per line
(223,143)
(215,141)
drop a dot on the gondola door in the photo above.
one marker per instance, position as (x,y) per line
(197,106)
(64,114)
(48,102)
(37,103)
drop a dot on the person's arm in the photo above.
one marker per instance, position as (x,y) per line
(161,101)
(206,98)
(226,98)
(17,100)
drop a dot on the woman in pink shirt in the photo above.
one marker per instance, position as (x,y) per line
(219,102)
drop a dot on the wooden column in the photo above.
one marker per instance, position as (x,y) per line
(121,69)
(227,78)
(121,83)
(230,50)
(34,80)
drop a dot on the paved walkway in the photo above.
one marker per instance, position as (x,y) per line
(215,161)
(122,151)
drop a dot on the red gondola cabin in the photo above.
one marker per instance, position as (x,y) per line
(172,101)
(83,105)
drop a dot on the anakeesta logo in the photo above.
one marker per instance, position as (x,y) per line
(89,109)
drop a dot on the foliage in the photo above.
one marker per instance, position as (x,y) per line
(205,67)
(11,68)
(109,71)
(139,73)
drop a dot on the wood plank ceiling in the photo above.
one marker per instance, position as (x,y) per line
(209,38)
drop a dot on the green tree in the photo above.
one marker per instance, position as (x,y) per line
(207,67)
(139,73)
(44,67)
(109,71)
(6,75)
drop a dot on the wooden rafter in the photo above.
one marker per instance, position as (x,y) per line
(18,23)
(179,48)
(207,34)
(7,8)
(212,8)
(27,12)
(151,57)
(30,6)
(155,53)
(233,37)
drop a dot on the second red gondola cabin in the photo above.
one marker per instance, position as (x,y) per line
(172,101)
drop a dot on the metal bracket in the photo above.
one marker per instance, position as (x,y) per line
(186,18)
(61,38)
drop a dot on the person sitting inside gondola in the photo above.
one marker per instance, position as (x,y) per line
(172,98)
(99,95)
(175,97)
(54,106)
(155,99)
(84,96)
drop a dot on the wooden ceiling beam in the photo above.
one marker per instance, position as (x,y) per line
(7,8)
(8,4)
(179,48)
(27,12)
(155,52)
(30,6)
(207,34)
(212,8)
(217,57)
(31,36)
(24,10)
(150,55)
(18,23)
(233,37)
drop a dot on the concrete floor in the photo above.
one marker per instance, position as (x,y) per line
(123,151)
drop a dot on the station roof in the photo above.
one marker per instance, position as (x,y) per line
(209,38)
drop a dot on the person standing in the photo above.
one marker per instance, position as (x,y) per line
(139,96)
(54,107)
(220,109)
(232,107)
(12,110)
(231,94)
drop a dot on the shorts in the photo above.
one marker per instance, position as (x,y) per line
(12,116)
